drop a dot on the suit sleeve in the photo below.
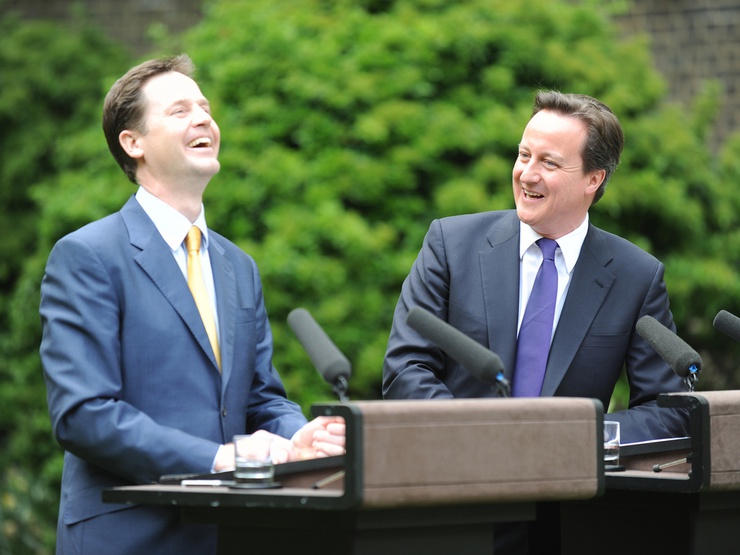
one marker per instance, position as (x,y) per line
(649,375)
(82,357)
(414,368)
(269,407)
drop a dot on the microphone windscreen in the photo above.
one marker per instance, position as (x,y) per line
(727,323)
(324,354)
(675,351)
(480,361)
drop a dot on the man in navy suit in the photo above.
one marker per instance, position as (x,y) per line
(135,388)
(476,272)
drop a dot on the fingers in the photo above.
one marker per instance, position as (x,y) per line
(338,428)
(331,440)
(325,421)
(328,449)
(334,435)
(323,436)
(281,451)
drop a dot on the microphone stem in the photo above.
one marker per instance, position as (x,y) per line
(691,381)
(340,388)
(502,386)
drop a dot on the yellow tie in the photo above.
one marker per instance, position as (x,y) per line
(198,288)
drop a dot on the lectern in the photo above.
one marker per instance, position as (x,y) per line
(426,477)
(678,496)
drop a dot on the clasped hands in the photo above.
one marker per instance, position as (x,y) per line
(324,436)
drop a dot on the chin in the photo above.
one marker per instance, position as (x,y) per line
(524,215)
(211,169)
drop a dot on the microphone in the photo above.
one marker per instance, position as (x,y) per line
(481,362)
(331,363)
(684,360)
(727,323)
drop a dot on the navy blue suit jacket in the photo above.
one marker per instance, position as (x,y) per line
(467,274)
(133,388)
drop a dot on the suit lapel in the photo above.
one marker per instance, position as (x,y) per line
(501,288)
(589,286)
(156,259)
(225,283)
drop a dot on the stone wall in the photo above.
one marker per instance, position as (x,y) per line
(693,41)
(127,21)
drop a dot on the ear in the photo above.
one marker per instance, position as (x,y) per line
(595,180)
(129,141)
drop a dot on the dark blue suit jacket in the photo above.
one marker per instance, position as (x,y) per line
(133,388)
(467,273)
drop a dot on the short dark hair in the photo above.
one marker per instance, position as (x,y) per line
(124,105)
(605,137)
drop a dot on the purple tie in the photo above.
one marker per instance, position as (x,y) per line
(533,346)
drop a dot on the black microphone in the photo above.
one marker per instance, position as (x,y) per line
(331,363)
(727,323)
(481,362)
(684,360)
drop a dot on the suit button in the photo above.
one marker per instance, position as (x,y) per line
(223,413)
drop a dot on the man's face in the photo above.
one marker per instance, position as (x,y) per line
(180,139)
(551,191)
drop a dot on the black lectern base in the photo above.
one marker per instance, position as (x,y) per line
(646,523)
(448,530)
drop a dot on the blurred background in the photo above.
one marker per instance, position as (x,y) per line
(347,127)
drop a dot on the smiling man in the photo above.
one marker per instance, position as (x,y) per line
(479,273)
(152,363)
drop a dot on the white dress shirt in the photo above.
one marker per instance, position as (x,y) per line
(530,258)
(174,227)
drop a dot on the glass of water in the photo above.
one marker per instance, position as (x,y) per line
(253,460)
(611,444)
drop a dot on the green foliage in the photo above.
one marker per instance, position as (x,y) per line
(347,126)
(23,528)
(50,98)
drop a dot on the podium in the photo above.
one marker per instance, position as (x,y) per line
(688,504)
(427,476)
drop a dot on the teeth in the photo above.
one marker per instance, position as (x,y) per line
(203,141)
(532,195)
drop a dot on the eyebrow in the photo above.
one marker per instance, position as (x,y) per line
(183,101)
(546,154)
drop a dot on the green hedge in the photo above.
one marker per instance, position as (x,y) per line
(347,127)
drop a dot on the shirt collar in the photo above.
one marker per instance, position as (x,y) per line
(171,224)
(570,244)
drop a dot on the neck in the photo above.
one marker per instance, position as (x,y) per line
(188,202)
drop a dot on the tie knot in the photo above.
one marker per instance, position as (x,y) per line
(192,241)
(547,246)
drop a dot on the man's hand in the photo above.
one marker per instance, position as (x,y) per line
(224,458)
(324,436)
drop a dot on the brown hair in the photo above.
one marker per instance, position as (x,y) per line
(124,105)
(605,139)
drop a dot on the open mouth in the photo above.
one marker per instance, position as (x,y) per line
(530,194)
(202,142)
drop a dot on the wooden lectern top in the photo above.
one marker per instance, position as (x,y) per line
(429,452)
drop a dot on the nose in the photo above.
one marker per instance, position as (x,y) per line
(527,173)
(201,116)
